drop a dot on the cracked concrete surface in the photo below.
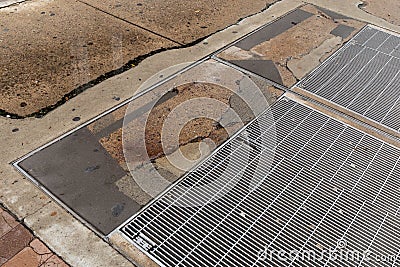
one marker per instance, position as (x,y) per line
(300,67)
(191,133)
(385,9)
(295,51)
(49,54)
(5,3)
(18,247)
(62,232)
(49,48)
(184,23)
(30,203)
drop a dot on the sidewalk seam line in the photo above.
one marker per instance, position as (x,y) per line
(131,23)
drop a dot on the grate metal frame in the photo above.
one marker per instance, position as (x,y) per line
(147,241)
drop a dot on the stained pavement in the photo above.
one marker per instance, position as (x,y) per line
(56,90)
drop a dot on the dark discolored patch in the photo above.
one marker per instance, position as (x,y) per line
(62,168)
(264,68)
(332,15)
(117,209)
(343,31)
(274,29)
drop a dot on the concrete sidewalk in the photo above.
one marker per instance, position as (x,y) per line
(19,247)
(65,62)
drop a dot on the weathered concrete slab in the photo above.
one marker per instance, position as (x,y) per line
(49,48)
(5,3)
(69,235)
(353,9)
(183,23)
(82,175)
(292,46)
(388,10)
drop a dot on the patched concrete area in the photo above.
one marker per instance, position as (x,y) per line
(50,53)
(363,78)
(182,22)
(49,48)
(286,50)
(90,170)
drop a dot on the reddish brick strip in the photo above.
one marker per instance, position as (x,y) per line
(19,248)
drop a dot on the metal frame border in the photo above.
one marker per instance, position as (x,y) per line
(345,116)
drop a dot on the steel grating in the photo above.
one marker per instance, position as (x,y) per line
(364,77)
(328,182)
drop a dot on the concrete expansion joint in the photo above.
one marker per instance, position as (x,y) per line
(134,24)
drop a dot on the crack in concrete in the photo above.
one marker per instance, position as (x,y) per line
(34,212)
(267,6)
(217,126)
(289,70)
(287,60)
(12,3)
(131,23)
(129,65)
(5,210)
(364,4)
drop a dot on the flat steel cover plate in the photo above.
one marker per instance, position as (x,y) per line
(323,186)
(364,77)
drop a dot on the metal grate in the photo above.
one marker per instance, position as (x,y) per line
(364,76)
(328,182)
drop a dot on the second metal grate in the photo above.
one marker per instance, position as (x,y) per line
(364,76)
